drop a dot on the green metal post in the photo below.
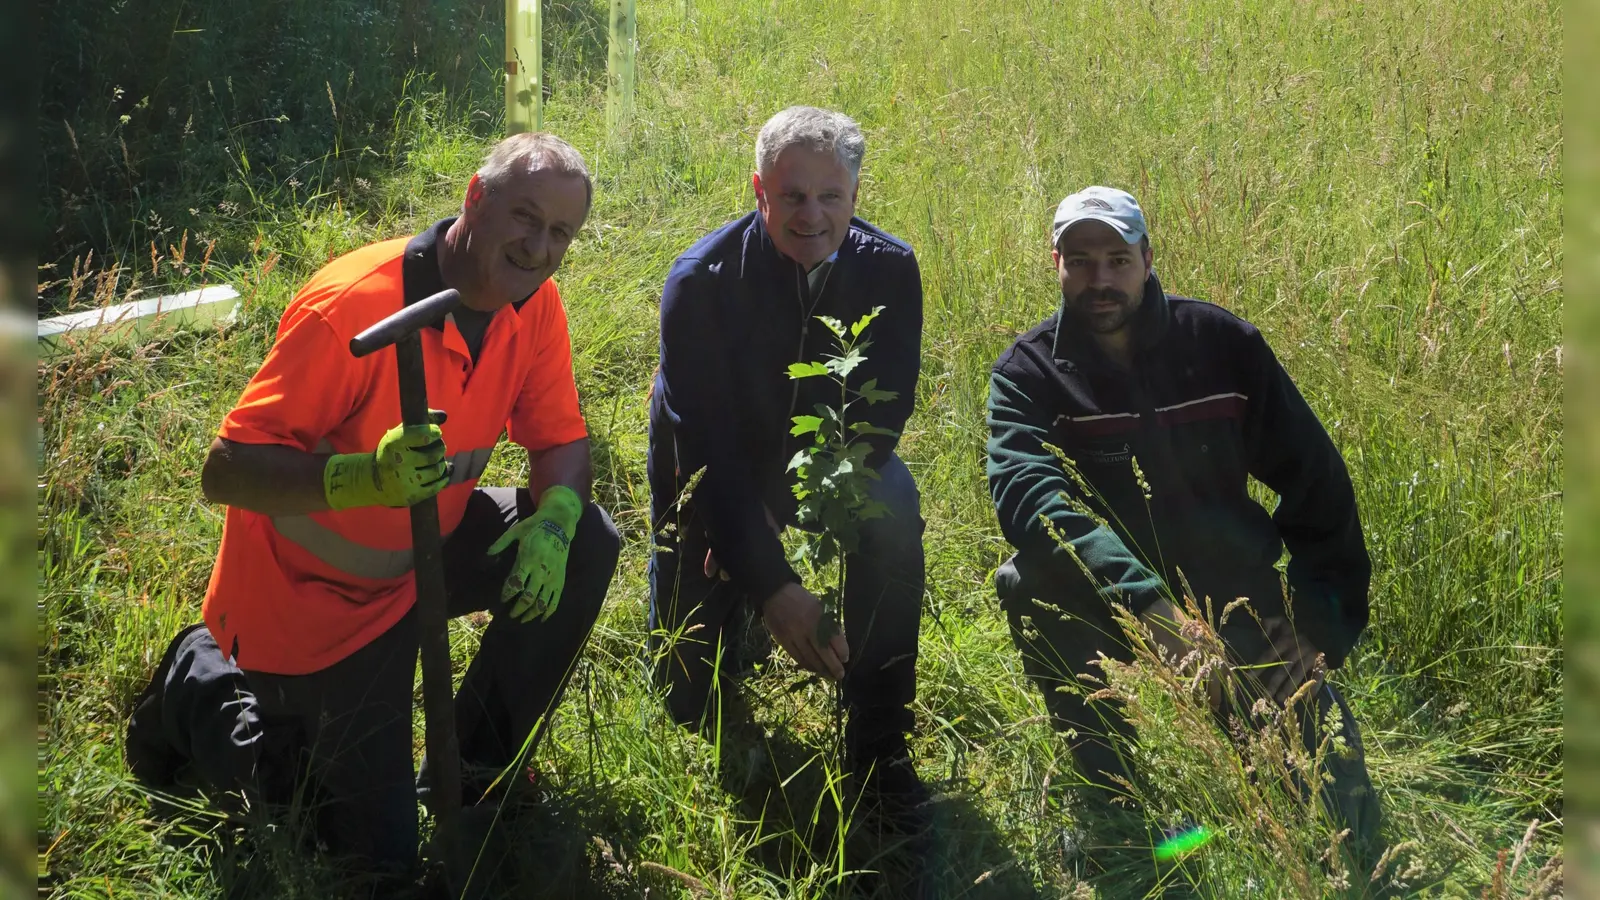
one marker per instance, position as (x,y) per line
(524,66)
(619,66)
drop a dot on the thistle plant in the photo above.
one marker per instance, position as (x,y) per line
(832,479)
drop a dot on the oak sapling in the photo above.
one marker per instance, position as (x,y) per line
(833,482)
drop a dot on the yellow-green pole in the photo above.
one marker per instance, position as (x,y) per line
(524,66)
(619,66)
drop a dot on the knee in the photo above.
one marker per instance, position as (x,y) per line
(1007,582)
(598,536)
(897,490)
(902,526)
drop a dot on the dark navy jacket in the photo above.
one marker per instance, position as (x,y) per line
(1206,405)
(735,313)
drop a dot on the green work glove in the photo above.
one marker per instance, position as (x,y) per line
(408,467)
(534,586)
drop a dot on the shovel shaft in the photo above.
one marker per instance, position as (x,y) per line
(432,615)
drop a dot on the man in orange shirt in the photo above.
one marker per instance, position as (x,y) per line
(306,661)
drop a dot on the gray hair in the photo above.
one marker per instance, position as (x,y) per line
(814,129)
(532,151)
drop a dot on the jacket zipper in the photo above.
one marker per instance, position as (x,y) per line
(802,296)
(1162,464)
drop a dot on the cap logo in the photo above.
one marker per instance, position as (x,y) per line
(1096,203)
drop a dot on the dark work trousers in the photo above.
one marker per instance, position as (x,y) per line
(695,615)
(1063,646)
(350,725)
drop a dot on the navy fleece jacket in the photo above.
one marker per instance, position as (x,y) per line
(735,313)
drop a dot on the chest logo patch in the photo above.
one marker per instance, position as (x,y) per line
(1107,452)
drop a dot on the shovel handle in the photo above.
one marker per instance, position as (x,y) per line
(409,320)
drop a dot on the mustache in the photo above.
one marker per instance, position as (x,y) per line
(1095,295)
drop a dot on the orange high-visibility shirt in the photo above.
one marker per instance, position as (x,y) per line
(273,604)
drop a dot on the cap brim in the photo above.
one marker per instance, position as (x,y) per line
(1130,235)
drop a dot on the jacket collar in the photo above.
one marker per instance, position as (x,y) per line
(1150,324)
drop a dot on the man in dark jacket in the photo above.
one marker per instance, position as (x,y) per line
(738,308)
(1166,406)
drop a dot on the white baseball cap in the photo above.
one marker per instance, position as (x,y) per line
(1102,204)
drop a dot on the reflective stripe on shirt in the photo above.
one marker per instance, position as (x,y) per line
(359,560)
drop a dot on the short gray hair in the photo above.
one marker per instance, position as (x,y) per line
(532,151)
(815,129)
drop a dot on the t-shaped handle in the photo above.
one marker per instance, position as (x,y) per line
(409,320)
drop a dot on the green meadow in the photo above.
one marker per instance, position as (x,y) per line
(1376,185)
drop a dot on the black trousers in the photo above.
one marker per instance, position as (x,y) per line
(341,738)
(882,612)
(1058,648)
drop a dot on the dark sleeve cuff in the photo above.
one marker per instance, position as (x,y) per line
(758,563)
(1320,618)
(1136,593)
(883,447)
(743,544)
(768,579)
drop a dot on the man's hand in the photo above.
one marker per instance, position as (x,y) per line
(543,539)
(792,615)
(408,467)
(1166,623)
(713,570)
(1289,660)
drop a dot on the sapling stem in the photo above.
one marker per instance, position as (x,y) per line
(833,482)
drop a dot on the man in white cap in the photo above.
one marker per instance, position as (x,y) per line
(1166,407)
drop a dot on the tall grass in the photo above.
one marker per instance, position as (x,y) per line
(166,117)
(1377,186)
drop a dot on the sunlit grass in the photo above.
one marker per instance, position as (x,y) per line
(1377,186)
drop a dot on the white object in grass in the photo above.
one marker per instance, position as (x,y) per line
(139,319)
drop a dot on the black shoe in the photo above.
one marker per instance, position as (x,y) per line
(894,809)
(889,788)
(484,786)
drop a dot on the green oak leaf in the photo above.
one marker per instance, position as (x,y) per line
(806,370)
(805,424)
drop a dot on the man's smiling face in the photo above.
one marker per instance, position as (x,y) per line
(517,233)
(806,200)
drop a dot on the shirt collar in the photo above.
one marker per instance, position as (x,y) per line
(818,275)
(419,270)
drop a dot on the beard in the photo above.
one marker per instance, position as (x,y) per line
(1102,321)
